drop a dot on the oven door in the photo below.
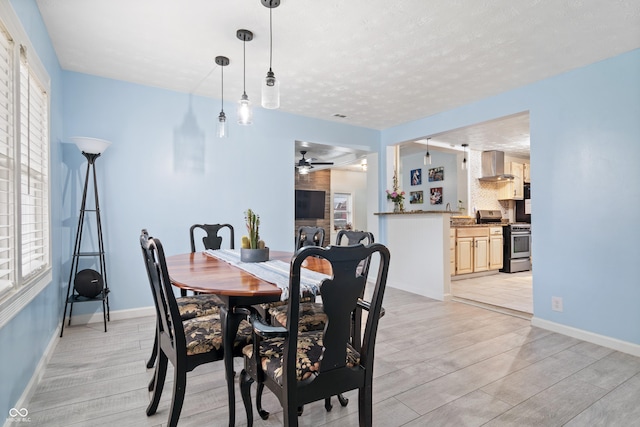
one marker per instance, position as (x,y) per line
(520,245)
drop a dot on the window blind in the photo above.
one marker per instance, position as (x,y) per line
(34,160)
(7,123)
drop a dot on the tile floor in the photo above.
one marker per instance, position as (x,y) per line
(437,364)
(512,291)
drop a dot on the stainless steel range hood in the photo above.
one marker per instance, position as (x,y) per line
(493,166)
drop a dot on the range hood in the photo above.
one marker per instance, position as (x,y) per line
(493,166)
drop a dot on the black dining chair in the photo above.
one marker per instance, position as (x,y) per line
(309,236)
(185,343)
(189,307)
(211,239)
(300,367)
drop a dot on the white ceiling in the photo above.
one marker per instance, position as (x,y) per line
(380,63)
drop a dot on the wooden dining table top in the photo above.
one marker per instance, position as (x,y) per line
(203,273)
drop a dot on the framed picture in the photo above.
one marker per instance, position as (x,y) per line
(416,197)
(436,196)
(416,177)
(436,174)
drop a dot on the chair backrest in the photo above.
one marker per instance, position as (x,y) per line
(356,237)
(341,298)
(309,236)
(171,333)
(211,240)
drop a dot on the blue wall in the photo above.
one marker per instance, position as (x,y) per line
(24,339)
(165,171)
(585,150)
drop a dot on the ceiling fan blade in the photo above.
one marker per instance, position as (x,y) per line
(321,163)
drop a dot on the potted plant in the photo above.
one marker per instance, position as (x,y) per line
(253,249)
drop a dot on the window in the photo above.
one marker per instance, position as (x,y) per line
(24,167)
(341,211)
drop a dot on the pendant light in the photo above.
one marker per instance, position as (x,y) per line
(270,86)
(245,115)
(464,164)
(222,130)
(427,157)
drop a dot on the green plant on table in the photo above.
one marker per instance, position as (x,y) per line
(252,241)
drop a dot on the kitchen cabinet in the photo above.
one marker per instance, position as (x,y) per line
(452,251)
(495,248)
(513,189)
(472,250)
(526,172)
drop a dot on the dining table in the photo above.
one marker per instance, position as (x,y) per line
(203,273)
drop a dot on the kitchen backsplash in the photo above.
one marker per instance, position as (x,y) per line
(484,195)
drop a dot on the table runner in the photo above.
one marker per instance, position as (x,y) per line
(273,271)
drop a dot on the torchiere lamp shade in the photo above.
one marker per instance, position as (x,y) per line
(90,145)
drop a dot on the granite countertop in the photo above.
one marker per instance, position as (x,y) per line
(497,224)
(416,212)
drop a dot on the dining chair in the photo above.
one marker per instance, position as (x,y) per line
(300,367)
(189,307)
(312,316)
(309,236)
(211,240)
(186,343)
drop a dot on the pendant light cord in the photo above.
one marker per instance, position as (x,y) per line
(222,89)
(270,37)
(244,66)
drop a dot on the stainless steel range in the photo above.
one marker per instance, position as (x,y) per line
(517,248)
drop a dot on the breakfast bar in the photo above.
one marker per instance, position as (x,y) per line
(419,242)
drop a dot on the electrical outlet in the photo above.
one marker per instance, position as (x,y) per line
(556,303)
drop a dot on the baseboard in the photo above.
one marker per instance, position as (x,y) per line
(612,343)
(97,317)
(30,389)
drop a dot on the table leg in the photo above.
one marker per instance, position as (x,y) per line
(230,324)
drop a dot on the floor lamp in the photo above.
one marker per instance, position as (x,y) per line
(88,284)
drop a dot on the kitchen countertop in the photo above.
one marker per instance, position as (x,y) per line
(416,212)
(495,224)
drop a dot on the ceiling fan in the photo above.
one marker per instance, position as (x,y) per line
(304,165)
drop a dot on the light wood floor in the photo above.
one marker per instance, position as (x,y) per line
(437,364)
(513,291)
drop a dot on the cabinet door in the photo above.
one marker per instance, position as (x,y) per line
(495,252)
(517,170)
(452,251)
(526,172)
(480,254)
(464,255)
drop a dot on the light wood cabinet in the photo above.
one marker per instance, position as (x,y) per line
(526,172)
(452,250)
(495,248)
(472,250)
(513,189)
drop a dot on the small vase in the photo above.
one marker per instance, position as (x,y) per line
(396,207)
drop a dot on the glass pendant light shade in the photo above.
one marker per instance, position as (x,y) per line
(245,113)
(222,130)
(464,165)
(271,92)
(270,86)
(427,159)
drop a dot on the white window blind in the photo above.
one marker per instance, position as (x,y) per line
(7,123)
(34,183)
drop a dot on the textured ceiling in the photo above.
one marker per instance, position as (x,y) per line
(378,62)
